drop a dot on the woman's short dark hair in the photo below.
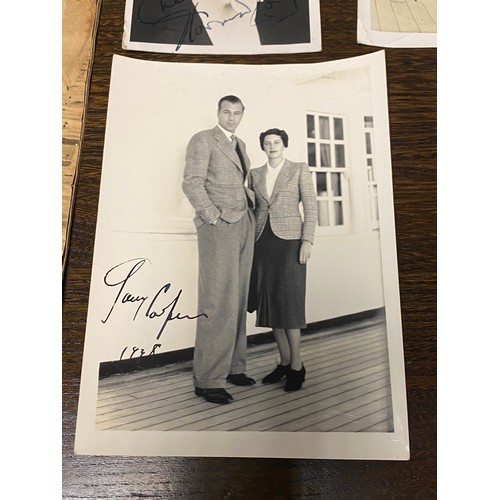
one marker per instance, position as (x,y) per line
(273,131)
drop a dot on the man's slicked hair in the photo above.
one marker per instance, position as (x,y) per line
(232,99)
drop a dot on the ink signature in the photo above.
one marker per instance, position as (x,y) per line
(167,13)
(238,15)
(161,305)
(158,13)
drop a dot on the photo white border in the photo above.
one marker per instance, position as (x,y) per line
(330,445)
(169,48)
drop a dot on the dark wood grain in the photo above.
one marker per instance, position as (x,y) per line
(412,107)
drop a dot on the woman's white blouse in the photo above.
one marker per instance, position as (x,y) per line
(271,176)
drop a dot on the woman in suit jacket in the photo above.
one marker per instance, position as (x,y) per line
(283,246)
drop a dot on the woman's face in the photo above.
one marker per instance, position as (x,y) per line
(273,147)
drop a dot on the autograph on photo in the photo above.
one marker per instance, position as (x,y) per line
(159,305)
(167,11)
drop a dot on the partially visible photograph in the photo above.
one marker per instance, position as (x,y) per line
(397,23)
(222,26)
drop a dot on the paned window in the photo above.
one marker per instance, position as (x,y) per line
(327,159)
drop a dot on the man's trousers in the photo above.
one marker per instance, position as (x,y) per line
(225,263)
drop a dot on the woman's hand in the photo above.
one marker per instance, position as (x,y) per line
(305,251)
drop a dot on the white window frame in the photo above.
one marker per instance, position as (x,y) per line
(371,176)
(344,173)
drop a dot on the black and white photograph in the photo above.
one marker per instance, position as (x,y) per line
(244,298)
(222,26)
(397,23)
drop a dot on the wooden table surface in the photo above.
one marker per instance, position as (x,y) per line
(411,75)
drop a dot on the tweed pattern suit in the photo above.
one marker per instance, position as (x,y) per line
(213,183)
(214,176)
(293,185)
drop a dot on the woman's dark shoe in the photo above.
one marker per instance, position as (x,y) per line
(276,375)
(295,379)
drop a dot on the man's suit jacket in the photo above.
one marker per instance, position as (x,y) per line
(175,23)
(283,22)
(293,185)
(214,177)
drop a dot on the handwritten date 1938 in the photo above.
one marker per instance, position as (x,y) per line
(134,352)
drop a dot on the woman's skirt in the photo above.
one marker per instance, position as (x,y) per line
(278,282)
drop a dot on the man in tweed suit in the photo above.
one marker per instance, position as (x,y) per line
(216,167)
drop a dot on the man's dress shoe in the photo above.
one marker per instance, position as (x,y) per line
(218,396)
(240,379)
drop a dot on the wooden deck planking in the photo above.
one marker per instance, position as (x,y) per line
(349,411)
(404,16)
(116,390)
(379,426)
(375,410)
(347,384)
(333,402)
(344,343)
(285,412)
(374,20)
(266,401)
(431,8)
(176,411)
(158,406)
(386,17)
(156,383)
(424,15)
(190,389)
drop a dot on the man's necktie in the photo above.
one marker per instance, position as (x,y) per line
(235,145)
